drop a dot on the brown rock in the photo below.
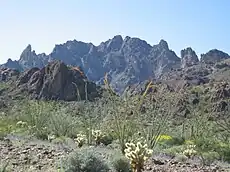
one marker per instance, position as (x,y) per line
(59,82)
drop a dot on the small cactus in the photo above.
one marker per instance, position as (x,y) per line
(21,124)
(98,136)
(51,137)
(81,138)
(137,154)
(190,151)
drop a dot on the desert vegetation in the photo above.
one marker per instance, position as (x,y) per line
(123,133)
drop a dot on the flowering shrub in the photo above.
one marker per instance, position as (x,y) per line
(164,137)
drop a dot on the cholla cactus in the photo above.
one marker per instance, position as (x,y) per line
(21,124)
(190,151)
(98,135)
(81,138)
(137,154)
(51,137)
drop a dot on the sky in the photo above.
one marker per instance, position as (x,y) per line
(200,24)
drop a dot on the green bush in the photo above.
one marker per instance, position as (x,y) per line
(107,139)
(181,157)
(174,150)
(3,167)
(170,141)
(177,141)
(223,149)
(120,164)
(45,118)
(209,157)
(85,160)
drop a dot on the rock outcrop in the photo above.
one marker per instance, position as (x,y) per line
(30,59)
(214,56)
(56,81)
(7,74)
(12,64)
(188,57)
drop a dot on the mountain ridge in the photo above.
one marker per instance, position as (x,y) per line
(127,60)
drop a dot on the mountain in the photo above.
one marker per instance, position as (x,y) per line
(127,61)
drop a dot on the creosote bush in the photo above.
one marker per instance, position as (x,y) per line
(85,160)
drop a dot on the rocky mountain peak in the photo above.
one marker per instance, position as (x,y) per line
(9,60)
(28,48)
(115,43)
(163,44)
(27,53)
(214,56)
(29,58)
(188,57)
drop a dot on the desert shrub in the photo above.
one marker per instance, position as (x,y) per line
(176,141)
(62,124)
(4,128)
(181,157)
(166,141)
(106,140)
(209,157)
(35,114)
(4,85)
(90,116)
(85,160)
(9,125)
(119,120)
(109,159)
(197,90)
(212,145)
(223,149)
(120,164)
(174,150)
(44,118)
(3,168)
(205,144)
